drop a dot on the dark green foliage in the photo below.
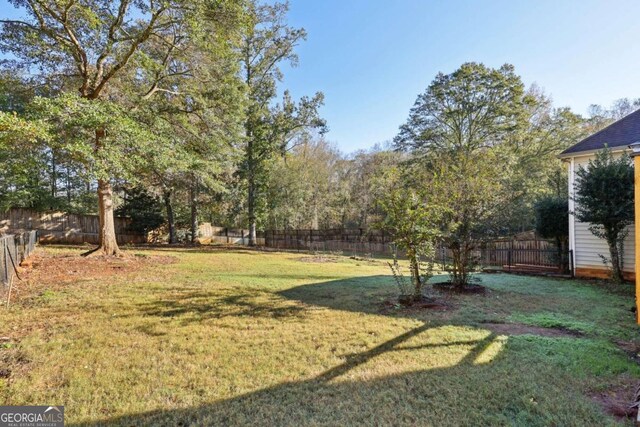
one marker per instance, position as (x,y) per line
(552,222)
(604,199)
(552,217)
(145,210)
(129,62)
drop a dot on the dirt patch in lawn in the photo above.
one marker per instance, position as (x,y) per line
(469,289)
(394,305)
(521,329)
(47,271)
(631,348)
(12,359)
(618,398)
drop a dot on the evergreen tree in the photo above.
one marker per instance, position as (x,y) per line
(604,199)
(144,209)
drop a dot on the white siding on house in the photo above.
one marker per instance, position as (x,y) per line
(589,247)
(585,245)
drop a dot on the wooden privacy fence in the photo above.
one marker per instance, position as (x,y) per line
(511,252)
(60,227)
(508,254)
(517,255)
(14,249)
(355,240)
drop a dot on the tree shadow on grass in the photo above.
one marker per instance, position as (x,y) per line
(329,397)
(463,389)
(271,275)
(198,305)
(467,391)
(359,294)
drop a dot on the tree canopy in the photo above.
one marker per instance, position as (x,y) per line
(117,57)
(460,130)
(119,106)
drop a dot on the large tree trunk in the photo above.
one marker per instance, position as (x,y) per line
(252,212)
(194,214)
(170,217)
(54,177)
(107,243)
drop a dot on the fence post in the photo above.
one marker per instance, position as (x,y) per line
(20,249)
(571,266)
(5,251)
(509,259)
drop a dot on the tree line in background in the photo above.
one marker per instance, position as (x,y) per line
(173,113)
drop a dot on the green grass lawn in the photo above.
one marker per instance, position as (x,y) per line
(251,338)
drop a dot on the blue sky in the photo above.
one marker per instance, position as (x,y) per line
(372,57)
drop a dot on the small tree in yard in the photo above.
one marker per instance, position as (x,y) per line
(461,130)
(414,224)
(552,222)
(604,199)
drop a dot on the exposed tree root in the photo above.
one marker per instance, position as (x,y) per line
(99,251)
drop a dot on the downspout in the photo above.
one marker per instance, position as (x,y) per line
(635,147)
(572,218)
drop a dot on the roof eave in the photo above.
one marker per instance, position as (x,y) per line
(563,155)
